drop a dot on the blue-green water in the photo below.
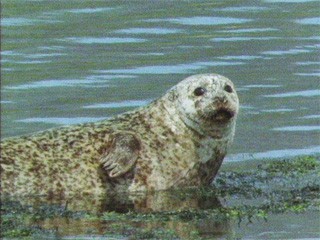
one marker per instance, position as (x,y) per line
(67,62)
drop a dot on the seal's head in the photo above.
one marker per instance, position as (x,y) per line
(207,103)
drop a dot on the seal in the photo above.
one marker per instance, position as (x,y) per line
(178,140)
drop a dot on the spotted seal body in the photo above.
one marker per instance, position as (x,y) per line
(178,140)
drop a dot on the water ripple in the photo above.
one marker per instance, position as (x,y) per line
(311,117)
(314,74)
(102,40)
(44,55)
(55,83)
(242,9)
(241,57)
(168,69)
(61,121)
(15,22)
(249,30)
(89,10)
(307,93)
(149,31)
(284,52)
(235,39)
(32,62)
(307,63)
(6,102)
(202,20)
(297,128)
(309,21)
(129,103)
(10,53)
(280,110)
(284,153)
(262,86)
(289,1)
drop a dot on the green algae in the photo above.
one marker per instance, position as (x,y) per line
(277,187)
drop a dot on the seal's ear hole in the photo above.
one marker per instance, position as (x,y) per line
(228,89)
(199,91)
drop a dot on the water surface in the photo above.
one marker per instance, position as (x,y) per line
(68,62)
(92,60)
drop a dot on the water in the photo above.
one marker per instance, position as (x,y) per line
(68,62)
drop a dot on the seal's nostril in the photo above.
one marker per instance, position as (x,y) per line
(221,99)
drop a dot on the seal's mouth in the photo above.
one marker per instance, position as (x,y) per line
(222,115)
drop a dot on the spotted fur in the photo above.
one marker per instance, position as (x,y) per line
(176,141)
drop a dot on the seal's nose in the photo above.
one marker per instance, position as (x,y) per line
(220,99)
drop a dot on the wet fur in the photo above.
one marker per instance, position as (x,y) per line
(173,142)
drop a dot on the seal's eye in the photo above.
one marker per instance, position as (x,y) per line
(199,91)
(228,89)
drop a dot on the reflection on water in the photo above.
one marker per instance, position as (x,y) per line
(148,31)
(260,202)
(57,83)
(181,214)
(14,22)
(88,10)
(123,202)
(67,62)
(243,9)
(97,59)
(315,21)
(61,121)
(274,154)
(233,39)
(108,40)
(203,20)
(130,103)
(298,128)
(175,210)
(307,93)
(290,51)
(167,69)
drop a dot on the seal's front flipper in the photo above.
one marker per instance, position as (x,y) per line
(122,154)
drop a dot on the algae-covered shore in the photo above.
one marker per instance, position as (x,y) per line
(267,199)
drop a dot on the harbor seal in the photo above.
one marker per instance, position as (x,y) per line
(178,140)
